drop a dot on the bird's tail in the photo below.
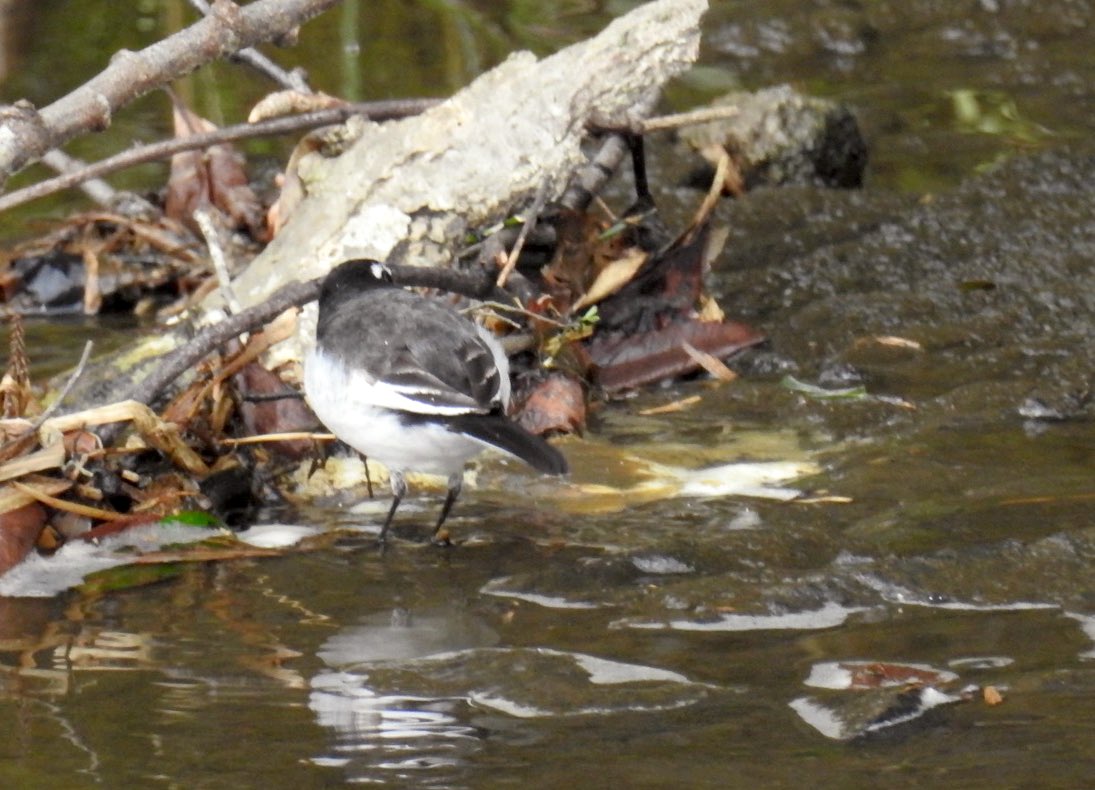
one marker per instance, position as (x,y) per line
(509,437)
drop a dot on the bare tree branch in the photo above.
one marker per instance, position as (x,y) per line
(26,133)
(293,80)
(153,152)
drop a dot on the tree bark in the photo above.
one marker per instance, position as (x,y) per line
(409,191)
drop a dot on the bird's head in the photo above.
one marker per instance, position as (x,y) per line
(352,277)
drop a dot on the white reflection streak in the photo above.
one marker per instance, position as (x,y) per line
(1087,625)
(68,732)
(895,593)
(828,616)
(342,702)
(819,717)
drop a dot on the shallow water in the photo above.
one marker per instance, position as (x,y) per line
(635,636)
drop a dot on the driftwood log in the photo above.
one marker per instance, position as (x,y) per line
(408,191)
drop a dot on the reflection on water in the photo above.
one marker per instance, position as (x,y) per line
(392,733)
(409,693)
(389,732)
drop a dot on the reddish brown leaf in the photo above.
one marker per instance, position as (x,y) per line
(19,530)
(274,416)
(17,445)
(880,674)
(623,361)
(553,404)
(215,176)
(81,443)
(231,191)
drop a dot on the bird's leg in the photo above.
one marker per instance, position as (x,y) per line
(399,490)
(456,482)
(368,478)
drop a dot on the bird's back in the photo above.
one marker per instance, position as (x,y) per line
(419,345)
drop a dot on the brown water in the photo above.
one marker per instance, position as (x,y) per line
(637,637)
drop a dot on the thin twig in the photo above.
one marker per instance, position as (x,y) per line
(128,204)
(62,504)
(96,189)
(213,336)
(530,222)
(691,118)
(293,80)
(289,436)
(220,260)
(243,131)
(65,390)
(513,308)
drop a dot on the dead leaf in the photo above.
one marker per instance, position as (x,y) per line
(726,177)
(889,341)
(291,102)
(292,186)
(612,278)
(93,295)
(51,457)
(19,530)
(665,289)
(49,540)
(18,444)
(156,432)
(213,177)
(880,674)
(82,443)
(285,414)
(712,364)
(554,404)
(992,695)
(710,312)
(827,499)
(671,407)
(10,498)
(623,361)
(203,554)
(730,181)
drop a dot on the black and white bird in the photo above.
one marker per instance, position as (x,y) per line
(409,382)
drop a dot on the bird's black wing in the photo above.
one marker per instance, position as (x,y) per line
(417,349)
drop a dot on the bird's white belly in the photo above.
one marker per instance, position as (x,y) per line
(344,403)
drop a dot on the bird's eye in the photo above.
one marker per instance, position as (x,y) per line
(380,271)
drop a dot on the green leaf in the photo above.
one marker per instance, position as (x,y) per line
(192,518)
(126,577)
(814,391)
